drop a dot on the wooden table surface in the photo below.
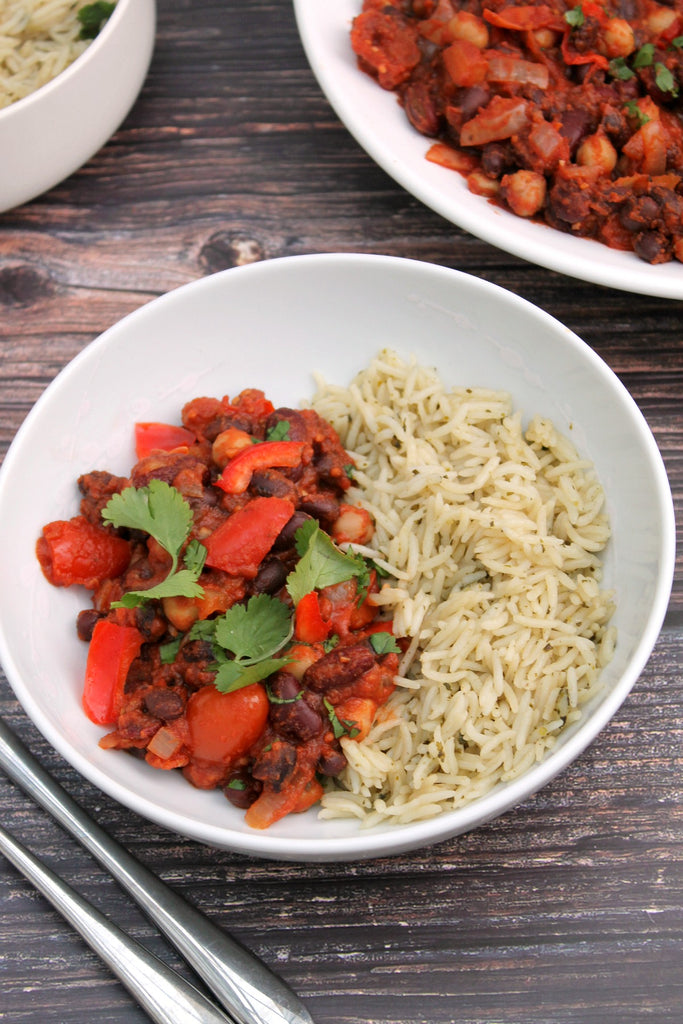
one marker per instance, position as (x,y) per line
(568,908)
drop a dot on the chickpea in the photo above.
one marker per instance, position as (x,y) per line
(659,19)
(228,443)
(618,38)
(468,26)
(524,192)
(481,185)
(597,151)
(545,37)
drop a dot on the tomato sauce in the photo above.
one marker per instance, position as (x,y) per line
(567,113)
(213,519)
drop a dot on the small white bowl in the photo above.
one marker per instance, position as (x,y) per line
(270,325)
(49,134)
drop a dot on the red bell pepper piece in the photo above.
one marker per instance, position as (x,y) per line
(112,651)
(525,18)
(236,476)
(309,625)
(75,551)
(240,544)
(151,437)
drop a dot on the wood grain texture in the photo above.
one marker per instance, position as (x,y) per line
(566,910)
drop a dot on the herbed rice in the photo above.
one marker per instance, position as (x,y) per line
(492,535)
(38,40)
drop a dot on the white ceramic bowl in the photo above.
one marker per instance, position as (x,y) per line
(270,325)
(49,134)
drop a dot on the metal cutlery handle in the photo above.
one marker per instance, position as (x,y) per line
(166,997)
(245,986)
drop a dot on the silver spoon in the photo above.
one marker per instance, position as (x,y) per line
(166,997)
(246,987)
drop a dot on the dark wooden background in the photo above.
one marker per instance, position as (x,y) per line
(566,909)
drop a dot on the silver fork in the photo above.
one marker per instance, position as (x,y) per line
(243,984)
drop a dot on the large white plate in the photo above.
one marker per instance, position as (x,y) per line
(375,119)
(270,325)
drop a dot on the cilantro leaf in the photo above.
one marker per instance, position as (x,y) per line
(634,110)
(383,642)
(321,563)
(161,511)
(255,630)
(177,584)
(618,68)
(665,80)
(574,17)
(234,675)
(644,56)
(195,556)
(340,726)
(157,509)
(279,432)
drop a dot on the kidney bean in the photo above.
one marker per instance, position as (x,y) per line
(297,424)
(574,125)
(332,762)
(339,667)
(322,506)
(164,704)
(471,99)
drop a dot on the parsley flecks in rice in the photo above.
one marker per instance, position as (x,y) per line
(493,536)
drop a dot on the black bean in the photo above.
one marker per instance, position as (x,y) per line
(241,790)
(270,577)
(85,623)
(269,483)
(285,538)
(652,247)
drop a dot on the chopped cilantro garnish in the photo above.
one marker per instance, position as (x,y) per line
(634,110)
(280,432)
(93,16)
(340,726)
(383,642)
(321,563)
(645,56)
(665,80)
(236,784)
(618,68)
(161,511)
(574,17)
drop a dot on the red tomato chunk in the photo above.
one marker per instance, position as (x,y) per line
(246,487)
(570,113)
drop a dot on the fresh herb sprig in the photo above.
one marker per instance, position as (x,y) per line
(161,511)
(321,563)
